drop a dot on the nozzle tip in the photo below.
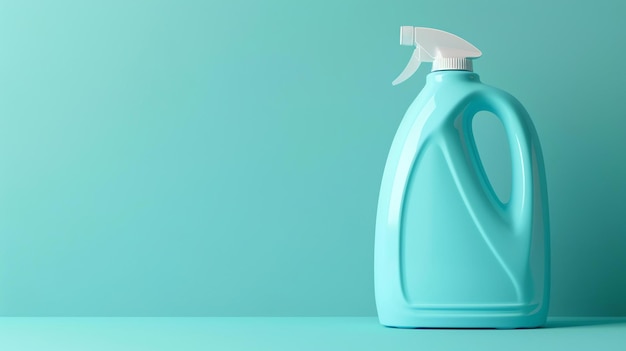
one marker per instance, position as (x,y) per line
(407,35)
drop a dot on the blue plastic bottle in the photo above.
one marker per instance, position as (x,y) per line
(449,253)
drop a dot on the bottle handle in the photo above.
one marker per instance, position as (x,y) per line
(519,132)
(494,218)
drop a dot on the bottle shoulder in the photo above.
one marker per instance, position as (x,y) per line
(450,94)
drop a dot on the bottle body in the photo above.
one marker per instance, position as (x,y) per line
(448,252)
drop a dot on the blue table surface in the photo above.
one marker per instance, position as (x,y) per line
(297,333)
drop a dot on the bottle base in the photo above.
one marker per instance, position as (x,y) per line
(466,319)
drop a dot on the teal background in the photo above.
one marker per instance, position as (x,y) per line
(223,158)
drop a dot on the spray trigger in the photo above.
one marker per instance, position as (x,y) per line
(445,50)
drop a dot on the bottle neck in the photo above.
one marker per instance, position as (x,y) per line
(438,77)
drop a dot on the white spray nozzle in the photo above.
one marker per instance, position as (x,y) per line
(445,50)
(407,35)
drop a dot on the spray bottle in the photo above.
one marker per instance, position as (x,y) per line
(448,252)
